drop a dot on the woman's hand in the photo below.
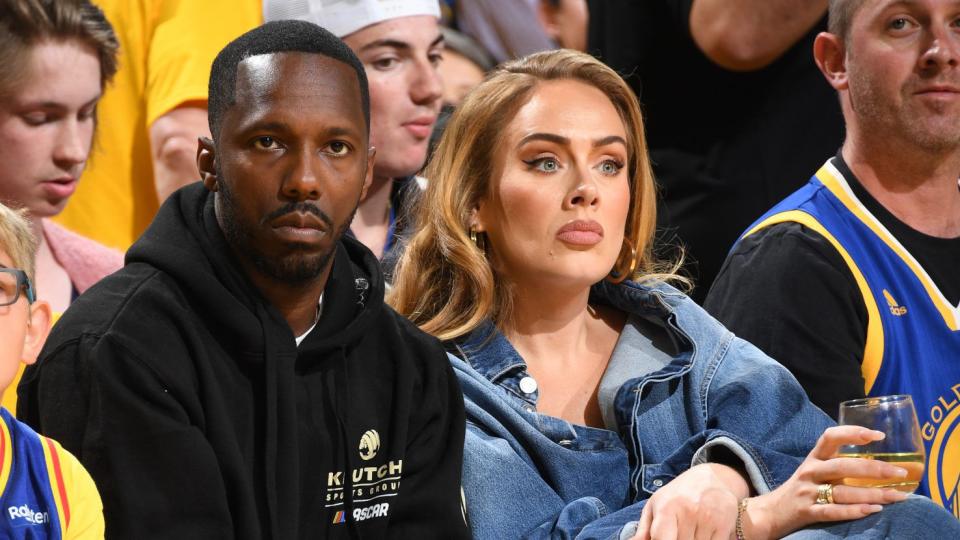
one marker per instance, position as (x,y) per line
(794,504)
(699,504)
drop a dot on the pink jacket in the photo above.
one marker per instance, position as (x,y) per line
(85,261)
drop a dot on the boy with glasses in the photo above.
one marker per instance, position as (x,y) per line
(46,493)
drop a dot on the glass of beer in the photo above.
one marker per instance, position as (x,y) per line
(902,446)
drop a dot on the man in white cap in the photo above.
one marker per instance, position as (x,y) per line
(400,45)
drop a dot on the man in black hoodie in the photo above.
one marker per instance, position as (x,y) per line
(241,377)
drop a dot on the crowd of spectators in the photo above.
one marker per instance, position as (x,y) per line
(488,268)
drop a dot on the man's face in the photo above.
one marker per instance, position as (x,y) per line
(290,163)
(902,64)
(401,58)
(46,127)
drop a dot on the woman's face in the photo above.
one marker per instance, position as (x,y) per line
(558,206)
(46,127)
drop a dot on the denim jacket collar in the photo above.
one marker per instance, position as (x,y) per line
(489,352)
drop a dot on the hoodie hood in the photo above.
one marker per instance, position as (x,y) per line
(185,241)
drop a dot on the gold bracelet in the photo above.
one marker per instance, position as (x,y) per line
(741,508)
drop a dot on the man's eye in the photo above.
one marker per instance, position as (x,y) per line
(36,118)
(899,23)
(265,143)
(338,148)
(385,63)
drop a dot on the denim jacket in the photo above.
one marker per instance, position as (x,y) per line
(714,397)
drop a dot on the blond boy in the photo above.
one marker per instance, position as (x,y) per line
(44,491)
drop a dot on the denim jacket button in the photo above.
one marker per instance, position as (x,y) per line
(658,482)
(528,408)
(528,385)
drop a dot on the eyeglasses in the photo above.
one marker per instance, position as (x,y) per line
(12,281)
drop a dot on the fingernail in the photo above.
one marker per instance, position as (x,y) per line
(880,435)
(873,508)
(897,495)
(899,471)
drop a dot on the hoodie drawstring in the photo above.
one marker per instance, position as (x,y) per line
(342,411)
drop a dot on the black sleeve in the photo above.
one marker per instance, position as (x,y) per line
(156,473)
(433,506)
(787,290)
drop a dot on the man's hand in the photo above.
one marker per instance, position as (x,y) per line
(173,147)
(746,35)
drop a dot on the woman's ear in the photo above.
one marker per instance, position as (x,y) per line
(37,331)
(206,163)
(475,223)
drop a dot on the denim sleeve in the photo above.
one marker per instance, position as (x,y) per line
(508,498)
(755,409)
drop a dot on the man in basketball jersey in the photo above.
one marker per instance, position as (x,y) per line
(852,282)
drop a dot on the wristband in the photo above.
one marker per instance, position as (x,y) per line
(741,508)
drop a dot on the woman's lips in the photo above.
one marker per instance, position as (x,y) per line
(581,233)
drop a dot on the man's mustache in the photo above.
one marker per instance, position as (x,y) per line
(299,208)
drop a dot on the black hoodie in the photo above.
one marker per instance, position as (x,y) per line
(182,391)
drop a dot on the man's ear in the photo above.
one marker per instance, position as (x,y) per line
(37,331)
(547,14)
(206,163)
(830,55)
(368,178)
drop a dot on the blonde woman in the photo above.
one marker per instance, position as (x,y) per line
(601,401)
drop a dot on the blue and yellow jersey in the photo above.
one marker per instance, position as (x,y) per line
(913,332)
(46,492)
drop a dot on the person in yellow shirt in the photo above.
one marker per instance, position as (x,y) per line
(57,57)
(151,116)
(44,490)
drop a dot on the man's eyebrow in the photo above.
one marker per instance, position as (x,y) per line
(273,126)
(397,44)
(263,126)
(56,104)
(394,43)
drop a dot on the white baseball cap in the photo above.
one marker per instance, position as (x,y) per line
(344,17)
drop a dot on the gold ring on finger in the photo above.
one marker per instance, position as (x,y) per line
(825,494)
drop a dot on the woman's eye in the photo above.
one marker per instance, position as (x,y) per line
(610,167)
(265,143)
(338,148)
(547,164)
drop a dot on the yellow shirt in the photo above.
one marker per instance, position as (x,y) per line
(166,48)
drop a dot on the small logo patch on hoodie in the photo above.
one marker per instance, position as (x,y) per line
(369,444)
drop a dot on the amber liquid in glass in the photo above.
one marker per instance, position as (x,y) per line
(911,461)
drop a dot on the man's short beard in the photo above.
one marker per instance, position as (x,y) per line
(296,268)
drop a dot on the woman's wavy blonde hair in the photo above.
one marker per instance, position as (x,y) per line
(444,282)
